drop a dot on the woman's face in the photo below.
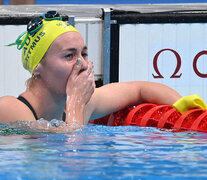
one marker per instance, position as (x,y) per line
(60,58)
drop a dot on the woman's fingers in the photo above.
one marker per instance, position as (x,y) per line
(81,81)
(90,68)
(76,68)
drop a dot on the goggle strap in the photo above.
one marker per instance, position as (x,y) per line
(12,44)
(19,42)
(37,29)
(51,19)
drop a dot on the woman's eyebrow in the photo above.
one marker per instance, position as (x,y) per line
(71,49)
(74,49)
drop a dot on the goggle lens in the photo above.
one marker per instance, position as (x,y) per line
(52,14)
(34,25)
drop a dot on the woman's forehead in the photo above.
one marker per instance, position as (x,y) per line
(69,40)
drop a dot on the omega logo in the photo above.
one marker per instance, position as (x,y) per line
(176,73)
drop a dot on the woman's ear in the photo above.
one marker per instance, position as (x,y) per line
(37,70)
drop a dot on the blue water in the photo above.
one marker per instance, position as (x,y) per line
(101,152)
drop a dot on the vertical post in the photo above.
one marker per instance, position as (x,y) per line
(107,40)
(71,20)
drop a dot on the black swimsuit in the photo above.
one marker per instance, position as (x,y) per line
(33,111)
(28,105)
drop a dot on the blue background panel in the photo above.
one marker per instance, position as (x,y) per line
(42,2)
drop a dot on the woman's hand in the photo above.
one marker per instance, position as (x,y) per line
(81,84)
(79,89)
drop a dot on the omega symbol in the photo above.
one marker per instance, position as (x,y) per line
(178,66)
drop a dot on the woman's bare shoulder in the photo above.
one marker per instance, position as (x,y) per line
(7,99)
(11,109)
(8,102)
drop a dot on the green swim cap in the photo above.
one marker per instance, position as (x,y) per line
(34,45)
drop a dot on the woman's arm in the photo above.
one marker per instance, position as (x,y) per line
(116,96)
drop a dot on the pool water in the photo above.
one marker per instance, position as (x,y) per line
(103,152)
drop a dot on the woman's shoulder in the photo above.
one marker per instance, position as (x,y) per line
(7,103)
(5,100)
(11,109)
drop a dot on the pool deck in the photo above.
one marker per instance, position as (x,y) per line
(96,10)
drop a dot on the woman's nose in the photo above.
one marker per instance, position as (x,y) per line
(84,63)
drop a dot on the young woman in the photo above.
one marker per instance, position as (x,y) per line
(62,79)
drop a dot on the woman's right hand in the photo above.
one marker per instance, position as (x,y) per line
(81,84)
(79,89)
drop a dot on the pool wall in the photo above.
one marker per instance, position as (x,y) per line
(167,47)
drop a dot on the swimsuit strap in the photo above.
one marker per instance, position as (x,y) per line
(28,105)
(64,116)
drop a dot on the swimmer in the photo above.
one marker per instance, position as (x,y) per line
(62,79)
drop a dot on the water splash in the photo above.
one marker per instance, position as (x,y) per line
(39,126)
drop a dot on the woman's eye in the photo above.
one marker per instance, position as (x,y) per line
(69,56)
(85,55)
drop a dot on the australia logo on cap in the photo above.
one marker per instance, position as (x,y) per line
(65,24)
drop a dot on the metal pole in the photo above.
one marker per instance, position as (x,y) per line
(107,39)
(71,20)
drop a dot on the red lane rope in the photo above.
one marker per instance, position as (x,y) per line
(135,115)
(186,120)
(168,119)
(160,116)
(152,116)
(200,123)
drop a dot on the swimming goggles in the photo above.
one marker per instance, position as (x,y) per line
(35,25)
